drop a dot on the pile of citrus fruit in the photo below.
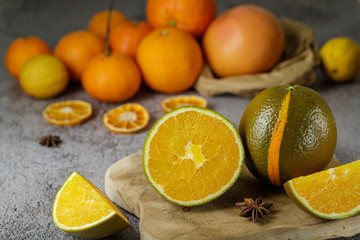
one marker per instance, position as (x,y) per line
(163,50)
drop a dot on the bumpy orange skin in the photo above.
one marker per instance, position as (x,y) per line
(126,37)
(170,60)
(113,78)
(98,22)
(76,49)
(287,132)
(192,16)
(21,50)
(243,40)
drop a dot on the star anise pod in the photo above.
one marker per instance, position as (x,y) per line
(186,209)
(252,208)
(50,141)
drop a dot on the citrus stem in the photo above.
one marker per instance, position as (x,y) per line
(172,23)
(107,42)
(291,88)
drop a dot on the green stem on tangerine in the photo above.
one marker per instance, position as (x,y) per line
(291,88)
(172,23)
(107,42)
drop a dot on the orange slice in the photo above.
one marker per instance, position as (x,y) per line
(127,118)
(67,113)
(192,155)
(329,194)
(170,103)
(82,210)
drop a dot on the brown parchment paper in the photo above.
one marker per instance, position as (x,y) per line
(295,67)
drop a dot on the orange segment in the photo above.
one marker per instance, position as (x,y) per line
(127,118)
(192,155)
(67,113)
(170,103)
(81,209)
(275,144)
(329,194)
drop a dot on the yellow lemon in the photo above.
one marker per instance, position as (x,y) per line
(43,76)
(340,59)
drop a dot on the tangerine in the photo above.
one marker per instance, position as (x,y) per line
(243,40)
(43,76)
(111,78)
(287,131)
(170,60)
(21,50)
(192,16)
(98,22)
(76,49)
(125,38)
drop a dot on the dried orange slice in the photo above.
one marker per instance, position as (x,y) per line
(329,194)
(192,155)
(127,118)
(67,113)
(170,103)
(82,210)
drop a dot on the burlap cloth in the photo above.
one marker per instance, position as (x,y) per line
(295,67)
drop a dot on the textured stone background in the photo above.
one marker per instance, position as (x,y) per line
(30,174)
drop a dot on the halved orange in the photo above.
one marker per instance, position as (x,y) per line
(192,155)
(170,103)
(82,210)
(127,118)
(67,113)
(329,194)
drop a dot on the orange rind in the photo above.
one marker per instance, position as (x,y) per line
(127,118)
(171,103)
(67,113)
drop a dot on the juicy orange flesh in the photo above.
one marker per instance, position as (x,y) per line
(276,139)
(184,101)
(324,190)
(81,203)
(67,111)
(193,155)
(129,116)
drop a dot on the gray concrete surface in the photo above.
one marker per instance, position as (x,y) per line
(30,174)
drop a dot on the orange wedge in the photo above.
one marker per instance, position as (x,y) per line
(329,194)
(67,113)
(170,103)
(82,210)
(192,155)
(127,118)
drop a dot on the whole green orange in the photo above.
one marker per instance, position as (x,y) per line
(287,131)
